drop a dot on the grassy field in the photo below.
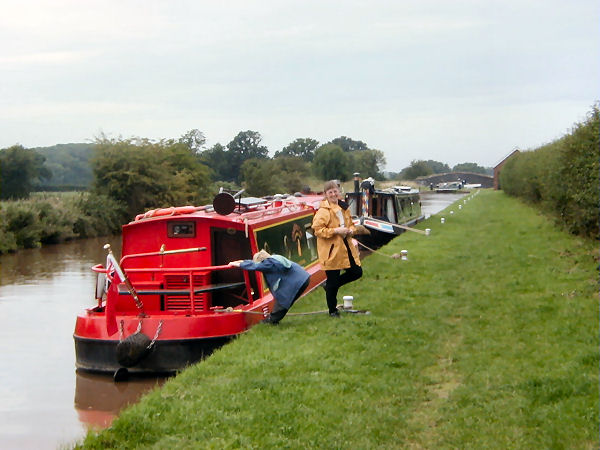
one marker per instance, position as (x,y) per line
(487,337)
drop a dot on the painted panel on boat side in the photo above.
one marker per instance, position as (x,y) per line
(292,239)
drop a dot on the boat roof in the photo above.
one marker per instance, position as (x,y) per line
(395,190)
(250,210)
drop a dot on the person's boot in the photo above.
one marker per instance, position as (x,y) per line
(269,320)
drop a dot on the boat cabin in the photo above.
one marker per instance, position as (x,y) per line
(394,205)
(177,261)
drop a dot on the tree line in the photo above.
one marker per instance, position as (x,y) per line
(130,176)
(74,165)
(421,168)
(124,177)
(243,161)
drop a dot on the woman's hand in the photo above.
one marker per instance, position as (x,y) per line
(343,231)
(235,263)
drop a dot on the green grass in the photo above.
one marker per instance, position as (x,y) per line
(487,337)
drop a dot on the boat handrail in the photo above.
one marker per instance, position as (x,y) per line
(98,268)
(162,252)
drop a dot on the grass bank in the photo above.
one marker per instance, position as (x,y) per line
(487,337)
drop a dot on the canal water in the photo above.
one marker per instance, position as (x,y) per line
(44,402)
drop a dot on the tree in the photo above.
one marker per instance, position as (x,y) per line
(69,165)
(302,147)
(331,162)
(246,145)
(417,168)
(469,167)
(21,170)
(141,174)
(216,158)
(438,167)
(270,176)
(369,163)
(349,145)
(194,140)
(293,172)
(260,178)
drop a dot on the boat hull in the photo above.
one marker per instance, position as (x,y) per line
(183,340)
(165,356)
(382,232)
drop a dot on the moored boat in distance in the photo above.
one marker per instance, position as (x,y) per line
(172,299)
(385,213)
(449,187)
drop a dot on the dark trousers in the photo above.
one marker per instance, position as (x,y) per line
(279,311)
(335,281)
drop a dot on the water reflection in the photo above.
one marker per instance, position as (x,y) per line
(36,264)
(98,399)
(41,292)
(433,202)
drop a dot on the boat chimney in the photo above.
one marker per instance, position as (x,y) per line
(278,200)
(356,182)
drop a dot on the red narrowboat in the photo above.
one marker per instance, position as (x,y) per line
(172,299)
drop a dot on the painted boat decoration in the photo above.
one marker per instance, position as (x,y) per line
(171,299)
(385,213)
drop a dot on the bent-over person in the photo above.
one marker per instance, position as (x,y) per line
(286,280)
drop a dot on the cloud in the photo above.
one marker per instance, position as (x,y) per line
(416,79)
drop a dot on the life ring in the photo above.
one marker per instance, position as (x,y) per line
(172,211)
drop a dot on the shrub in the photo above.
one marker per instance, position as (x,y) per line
(21,221)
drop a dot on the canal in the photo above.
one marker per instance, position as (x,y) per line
(44,402)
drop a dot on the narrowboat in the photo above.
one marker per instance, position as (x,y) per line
(385,213)
(172,298)
(452,187)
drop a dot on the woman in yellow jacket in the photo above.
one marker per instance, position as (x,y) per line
(333,227)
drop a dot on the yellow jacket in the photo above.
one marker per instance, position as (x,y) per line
(330,246)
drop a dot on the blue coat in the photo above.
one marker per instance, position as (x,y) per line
(284,277)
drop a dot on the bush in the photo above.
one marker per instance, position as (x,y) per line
(52,218)
(99,215)
(22,222)
(8,241)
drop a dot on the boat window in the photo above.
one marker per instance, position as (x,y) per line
(354,203)
(403,208)
(389,210)
(176,229)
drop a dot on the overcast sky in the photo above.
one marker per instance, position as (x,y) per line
(452,81)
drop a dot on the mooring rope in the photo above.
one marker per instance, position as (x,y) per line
(394,256)
(309,313)
(227,310)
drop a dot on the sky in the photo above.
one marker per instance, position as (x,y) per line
(452,81)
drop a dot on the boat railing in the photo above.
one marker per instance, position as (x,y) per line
(181,288)
(273,207)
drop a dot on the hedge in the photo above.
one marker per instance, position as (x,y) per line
(562,177)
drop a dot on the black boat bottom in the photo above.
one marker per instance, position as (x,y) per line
(165,357)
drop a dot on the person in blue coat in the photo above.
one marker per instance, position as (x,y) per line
(286,280)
